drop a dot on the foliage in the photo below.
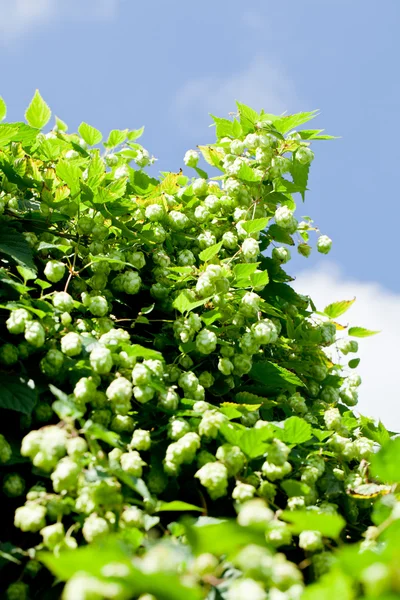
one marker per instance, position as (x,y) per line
(176,419)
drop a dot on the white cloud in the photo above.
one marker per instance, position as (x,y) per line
(20,16)
(263,84)
(376,308)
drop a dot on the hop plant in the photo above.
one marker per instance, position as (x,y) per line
(165,366)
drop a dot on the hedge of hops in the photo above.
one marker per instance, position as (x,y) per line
(176,420)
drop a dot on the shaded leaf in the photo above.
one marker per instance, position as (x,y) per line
(16,394)
(14,244)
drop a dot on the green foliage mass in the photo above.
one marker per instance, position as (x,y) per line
(176,420)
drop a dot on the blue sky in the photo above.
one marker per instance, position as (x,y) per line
(120,63)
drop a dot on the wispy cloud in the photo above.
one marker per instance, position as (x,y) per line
(263,84)
(18,17)
(375,308)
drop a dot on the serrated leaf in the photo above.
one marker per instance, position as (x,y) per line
(96,171)
(254,442)
(38,113)
(14,244)
(210,252)
(135,134)
(274,376)
(69,172)
(296,431)
(300,174)
(361,332)
(329,525)
(224,127)
(259,279)
(3,109)
(255,225)
(212,156)
(184,302)
(16,394)
(336,309)
(246,173)
(280,235)
(116,137)
(7,134)
(243,272)
(285,124)
(248,117)
(91,135)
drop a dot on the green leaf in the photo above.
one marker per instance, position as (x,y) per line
(7,134)
(61,126)
(354,362)
(329,525)
(373,431)
(185,303)
(98,432)
(209,253)
(96,171)
(14,244)
(295,488)
(91,135)
(285,124)
(300,174)
(116,137)
(211,316)
(135,134)
(38,113)
(331,586)
(224,127)
(336,309)
(361,332)
(296,431)
(3,109)
(212,156)
(248,117)
(255,225)
(136,350)
(273,376)
(177,505)
(243,273)
(16,394)
(259,279)
(385,465)
(69,172)
(64,406)
(253,442)
(26,274)
(221,538)
(246,173)
(280,235)
(314,134)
